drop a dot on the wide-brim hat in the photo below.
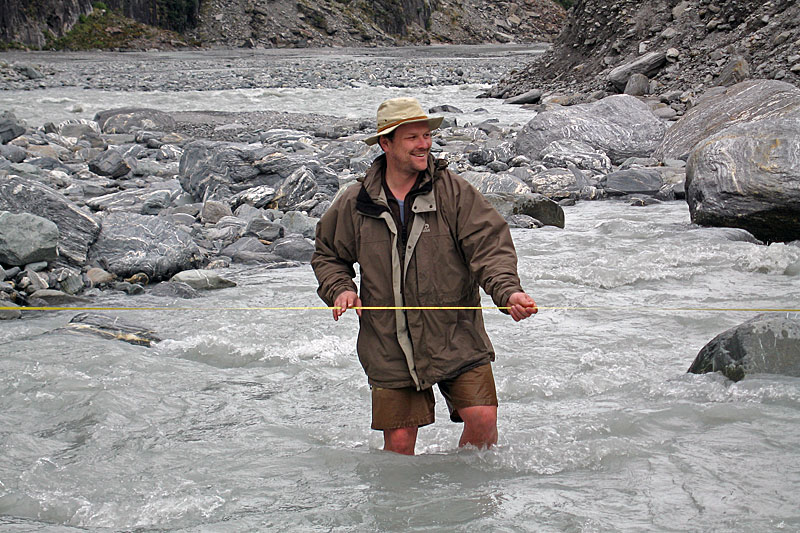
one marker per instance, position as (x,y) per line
(398,111)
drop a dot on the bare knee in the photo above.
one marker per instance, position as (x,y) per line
(400,440)
(480,425)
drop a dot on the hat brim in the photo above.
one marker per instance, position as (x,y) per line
(433,123)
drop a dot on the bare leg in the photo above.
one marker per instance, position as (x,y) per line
(401,440)
(480,426)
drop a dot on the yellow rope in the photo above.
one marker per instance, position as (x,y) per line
(408,308)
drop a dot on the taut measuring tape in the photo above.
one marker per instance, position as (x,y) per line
(408,308)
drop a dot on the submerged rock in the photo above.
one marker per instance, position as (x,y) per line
(111,327)
(202,279)
(766,344)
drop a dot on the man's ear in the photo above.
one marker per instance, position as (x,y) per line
(382,139)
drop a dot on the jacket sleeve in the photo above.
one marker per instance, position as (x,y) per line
(486,243)
(335,252)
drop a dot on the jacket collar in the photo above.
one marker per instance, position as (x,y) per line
(371,198)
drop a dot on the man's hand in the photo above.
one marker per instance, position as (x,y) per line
(346,300)
(521,306)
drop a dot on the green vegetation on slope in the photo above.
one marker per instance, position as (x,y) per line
(106,29)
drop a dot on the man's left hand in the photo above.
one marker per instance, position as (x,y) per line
(521,306)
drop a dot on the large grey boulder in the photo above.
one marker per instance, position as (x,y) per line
(632,181)
(766,344)
(130,243)
(26,238)
(77,229)
(744,102)
(131,119)
(537,206)
(621,126)
(218,170)
(747,177)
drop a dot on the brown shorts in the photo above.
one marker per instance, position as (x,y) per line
(408,407)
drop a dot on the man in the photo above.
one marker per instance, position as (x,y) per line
(423,237)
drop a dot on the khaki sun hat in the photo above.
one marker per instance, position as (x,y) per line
(398,111)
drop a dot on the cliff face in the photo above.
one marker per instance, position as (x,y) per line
(375,22)
(705,42)
(298,23)
(29,21)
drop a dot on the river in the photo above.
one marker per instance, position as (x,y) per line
(258,420)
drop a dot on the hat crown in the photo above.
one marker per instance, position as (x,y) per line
(398,110)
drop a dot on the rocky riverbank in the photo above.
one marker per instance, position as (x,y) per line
(678,49)
(142,200)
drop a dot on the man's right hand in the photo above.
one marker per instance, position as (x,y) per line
(344,301)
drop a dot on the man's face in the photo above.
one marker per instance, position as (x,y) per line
(408,151)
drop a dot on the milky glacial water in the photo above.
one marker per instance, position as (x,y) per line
(346,82)
(258,420)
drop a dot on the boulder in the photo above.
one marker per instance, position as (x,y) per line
(219,170)
(26,238)
(637,85)
(488,182)
(13,153)
(523,222)
(297,188)
(766,344)
(621,126)
(530,97)
(76,229)
(648,64)
(131,119)
(130,243)
(10,127)
(746,177)
(554,182)
(213,211)
(264,229)
(147,201)
(109,163)
(174,289)
(258,197)
(565,152)
(537,206)
(53,297)
(11,312)
(297,222)
(744,102)
(294,247)
(202,279)
(632,181)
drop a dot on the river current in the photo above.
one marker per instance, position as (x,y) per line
(258,420)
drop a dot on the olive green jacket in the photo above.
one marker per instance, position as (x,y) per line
(456,242)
